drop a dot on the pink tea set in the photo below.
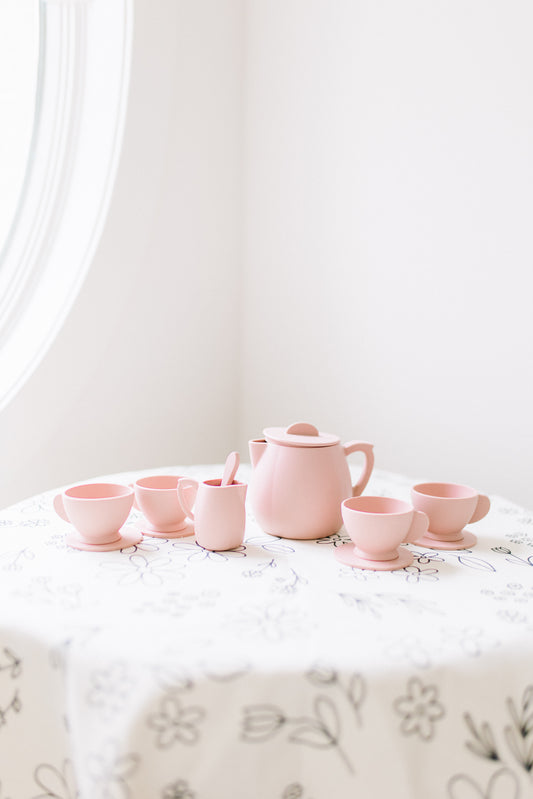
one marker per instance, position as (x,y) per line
(300,488)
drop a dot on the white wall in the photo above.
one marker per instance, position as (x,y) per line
(388,250)
(144,372)
(383,237)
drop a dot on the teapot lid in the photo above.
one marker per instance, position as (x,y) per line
(300,434)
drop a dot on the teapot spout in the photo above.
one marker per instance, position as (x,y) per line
(257,447)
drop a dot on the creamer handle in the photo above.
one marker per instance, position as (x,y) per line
(368,451)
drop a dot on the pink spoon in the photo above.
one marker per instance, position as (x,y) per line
(230,468)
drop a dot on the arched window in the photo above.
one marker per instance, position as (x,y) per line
(83,74)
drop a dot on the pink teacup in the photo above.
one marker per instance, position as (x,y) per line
(97,511)
(219,511)
(156,496)
(377,527)
(450,507)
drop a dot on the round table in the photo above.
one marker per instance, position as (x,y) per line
(165,671)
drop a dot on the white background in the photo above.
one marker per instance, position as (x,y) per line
(323,212)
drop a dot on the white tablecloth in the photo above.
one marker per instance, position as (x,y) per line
(165,671)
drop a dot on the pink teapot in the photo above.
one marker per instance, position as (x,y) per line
(299,479)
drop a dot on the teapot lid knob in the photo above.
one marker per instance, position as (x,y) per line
(302,429)
(299,434)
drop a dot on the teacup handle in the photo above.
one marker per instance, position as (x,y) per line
(368,451)
(482,508)
(59,508)
(135,505)
(183,484)
(419,527)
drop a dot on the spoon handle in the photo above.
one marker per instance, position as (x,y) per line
(230,468)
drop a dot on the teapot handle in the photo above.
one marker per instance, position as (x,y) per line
(368,451)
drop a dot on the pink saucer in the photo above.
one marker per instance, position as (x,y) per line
(467,541)
(182,531)
(347,554)
(128,537)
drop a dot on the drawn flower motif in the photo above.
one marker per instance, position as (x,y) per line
(261,722)
(337,539)
(413,650)
(276,622)
(110,772)
(196,553)
(110,689)
(138,569)
(420,709)
(415,574)
(144,545)
(178,790)
(174,722)
(56,784)
(293,791)
(360,575)
(428,557)
(502,785)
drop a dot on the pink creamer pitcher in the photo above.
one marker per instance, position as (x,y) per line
(299,479)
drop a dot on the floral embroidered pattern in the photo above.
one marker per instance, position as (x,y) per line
(276,622)
(178,790)
(354,689)
(139,569)
(420,709)
(196,554)
(502,785)
(56,783)
(15,560)
(110,689)
(319,731)
(417,574)
(294,791)
(176,723)
(275,654)
(110,772)
(518,735)
(10,671)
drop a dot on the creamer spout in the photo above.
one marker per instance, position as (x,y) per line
(257,447)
